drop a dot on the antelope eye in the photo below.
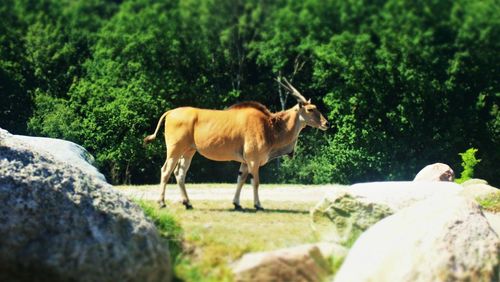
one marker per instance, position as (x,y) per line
(308,110)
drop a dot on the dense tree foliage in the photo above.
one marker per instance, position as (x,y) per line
(405,83)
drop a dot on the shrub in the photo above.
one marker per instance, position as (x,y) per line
(469,161)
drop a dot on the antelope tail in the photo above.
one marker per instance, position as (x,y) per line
(152,137)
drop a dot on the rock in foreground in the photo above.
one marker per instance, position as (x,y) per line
(64,151)
(61,224)
(439,239)
(343,217)
(478,188)
(301,263)
(345,213)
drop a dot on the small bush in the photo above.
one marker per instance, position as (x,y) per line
(469,161)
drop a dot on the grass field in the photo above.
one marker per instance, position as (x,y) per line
(213,236)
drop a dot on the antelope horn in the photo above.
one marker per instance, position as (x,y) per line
(283,85)
(295,92)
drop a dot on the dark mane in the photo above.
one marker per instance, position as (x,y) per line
(252,104)
(275,122)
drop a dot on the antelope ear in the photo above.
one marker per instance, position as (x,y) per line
(309,101)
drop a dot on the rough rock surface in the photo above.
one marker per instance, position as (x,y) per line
(439,239)
(493,220)
(65,151)
(342,215)
(401,194)
(478,188)
(301,263)
(436,172)
(58,223)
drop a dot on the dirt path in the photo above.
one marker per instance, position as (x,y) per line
(225,192)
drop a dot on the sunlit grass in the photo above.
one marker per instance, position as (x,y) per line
(215,236)
(167,226)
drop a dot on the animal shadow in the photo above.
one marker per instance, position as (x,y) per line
(270,211)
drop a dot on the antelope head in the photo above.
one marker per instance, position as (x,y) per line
(308,112)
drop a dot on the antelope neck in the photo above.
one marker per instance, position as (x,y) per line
(289,127)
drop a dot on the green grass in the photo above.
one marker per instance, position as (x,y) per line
(213,236)
(490,203)
(167,226)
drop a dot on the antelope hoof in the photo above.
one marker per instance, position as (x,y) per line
(258,208)
(187,205)
(237,207)
(161,204)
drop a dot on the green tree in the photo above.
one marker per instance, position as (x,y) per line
(130,80)
(15,72)
(404,83)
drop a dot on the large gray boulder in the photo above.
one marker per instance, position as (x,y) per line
(60,223)
(439,239)
(65,151)
(346,212)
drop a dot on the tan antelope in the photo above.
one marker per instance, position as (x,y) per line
(246,132)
